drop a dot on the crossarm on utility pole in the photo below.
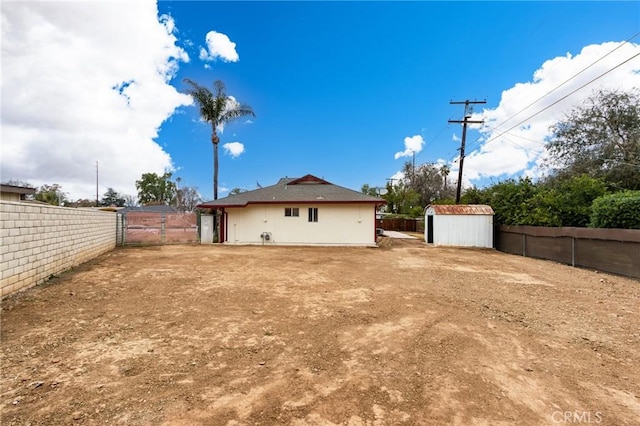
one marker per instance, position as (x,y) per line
(467,115)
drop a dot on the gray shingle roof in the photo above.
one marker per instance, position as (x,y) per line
(305,190)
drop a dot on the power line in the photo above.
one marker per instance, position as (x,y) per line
(557,87)
(562,98)
(569,79)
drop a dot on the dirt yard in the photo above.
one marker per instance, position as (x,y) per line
(401,334)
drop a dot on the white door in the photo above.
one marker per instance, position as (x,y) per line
(206,234)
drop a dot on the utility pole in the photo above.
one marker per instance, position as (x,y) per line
(468,109)
(413,170)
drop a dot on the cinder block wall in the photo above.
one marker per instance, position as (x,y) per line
(39,241)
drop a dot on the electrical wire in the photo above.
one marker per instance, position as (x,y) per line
(558,101)
(475,142)
(570,78)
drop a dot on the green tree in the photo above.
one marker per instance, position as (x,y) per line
(154,189)
(511,200)
(571,199)
(600,138)
(401,199)
(557,201)
(620,210)
(112,198)
(51,194)
(445,170)
(429,181)
(217,109)
(369,190)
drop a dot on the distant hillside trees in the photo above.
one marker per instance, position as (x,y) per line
(429,181)
(423,185)
(113,198)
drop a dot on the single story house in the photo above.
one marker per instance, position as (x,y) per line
(463,225)
(298,211)
(15,193)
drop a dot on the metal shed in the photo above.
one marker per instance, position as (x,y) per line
(469,225)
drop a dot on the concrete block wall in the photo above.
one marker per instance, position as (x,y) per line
(39,241)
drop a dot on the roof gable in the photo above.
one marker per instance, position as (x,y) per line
(307,179)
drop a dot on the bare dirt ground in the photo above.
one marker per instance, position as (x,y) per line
(401,334)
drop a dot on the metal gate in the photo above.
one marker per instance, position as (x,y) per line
(142,228)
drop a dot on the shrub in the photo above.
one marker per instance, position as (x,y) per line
(619,210)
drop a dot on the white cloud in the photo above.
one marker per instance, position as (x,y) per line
(397,176)
(234,149)
(230,104)
(219,46)
(85,82)
(412,144)
(501,150)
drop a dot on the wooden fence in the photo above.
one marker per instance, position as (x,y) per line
(401,225)
(610,250)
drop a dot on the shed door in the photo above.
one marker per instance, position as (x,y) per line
(206,229)
(429,229)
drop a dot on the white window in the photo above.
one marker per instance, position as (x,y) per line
(291,212)
(313,214)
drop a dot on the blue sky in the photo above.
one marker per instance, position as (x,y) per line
(340,89)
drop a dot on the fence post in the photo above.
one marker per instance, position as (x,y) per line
(573,251)
(198,222)
(162,218)
(524,244)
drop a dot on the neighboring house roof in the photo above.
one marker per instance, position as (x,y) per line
(160,208)
(461,209)
(308,189)
(22,190)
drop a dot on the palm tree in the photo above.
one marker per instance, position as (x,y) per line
(445,172)
(217,109)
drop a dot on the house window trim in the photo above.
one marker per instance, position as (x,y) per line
(313,214)
(293,212)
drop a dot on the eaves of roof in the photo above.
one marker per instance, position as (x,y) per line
(305,190)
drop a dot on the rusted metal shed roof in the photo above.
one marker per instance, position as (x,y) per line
(461,209)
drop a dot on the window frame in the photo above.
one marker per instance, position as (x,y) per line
(313,214)
(293,212)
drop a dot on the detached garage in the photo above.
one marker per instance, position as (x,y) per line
(469,225)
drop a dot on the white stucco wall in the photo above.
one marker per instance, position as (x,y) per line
(338,224)
(462,230)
